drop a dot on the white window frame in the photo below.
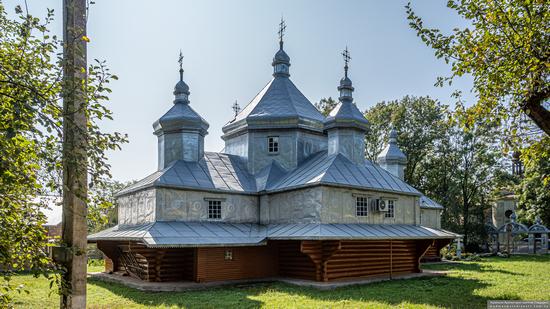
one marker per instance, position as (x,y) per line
(362,206)
(214,209)
(391,209)
(228,255)
(273,144)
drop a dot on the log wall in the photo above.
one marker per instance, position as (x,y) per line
(151,264)
(434,251)
(246,263)
(294,263)
(325,260)
(329,260)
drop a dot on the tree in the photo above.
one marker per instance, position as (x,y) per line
(325,105)
(473,171)
(506,52)
(534,188)
(31,134)
(419,121)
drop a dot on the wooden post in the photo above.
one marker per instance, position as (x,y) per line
(75,185)
(391,258)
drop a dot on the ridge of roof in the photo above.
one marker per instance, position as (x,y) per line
(222,172)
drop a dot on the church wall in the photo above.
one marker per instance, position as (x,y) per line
(188,146)
(350,143)
(309,144)
(430,218)
(339,206)
(237,145)
(258,156)
(187,205)
(137,208)
(297,206)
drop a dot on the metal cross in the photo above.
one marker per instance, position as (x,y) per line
(236,108)
(347,58)
(180,61)
(282,28)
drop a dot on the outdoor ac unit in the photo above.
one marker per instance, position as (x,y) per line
(381,205)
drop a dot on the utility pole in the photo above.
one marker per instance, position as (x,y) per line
(75,184)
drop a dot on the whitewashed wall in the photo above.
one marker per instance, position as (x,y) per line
(137,208)
(185,205)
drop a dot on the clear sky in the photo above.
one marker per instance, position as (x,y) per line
(228,48)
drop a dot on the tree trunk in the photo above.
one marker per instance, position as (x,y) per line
(536,111)
(75,185)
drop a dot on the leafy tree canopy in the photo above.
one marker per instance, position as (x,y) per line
(506,51)
(325,105)
(31,134)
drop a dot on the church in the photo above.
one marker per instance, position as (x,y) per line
(290,196)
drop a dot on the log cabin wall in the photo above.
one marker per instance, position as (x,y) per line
(214,264)
(330,260)
(317,260)
(150,264)
(434,251)
(293,263)
(358,259)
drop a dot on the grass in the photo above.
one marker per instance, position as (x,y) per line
(468,285)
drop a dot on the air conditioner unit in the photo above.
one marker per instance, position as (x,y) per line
(381,205)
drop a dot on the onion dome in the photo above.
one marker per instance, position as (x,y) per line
(281,61)
(392,153)
(346,114)
(181,116)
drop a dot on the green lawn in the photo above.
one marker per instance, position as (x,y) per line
(469,285)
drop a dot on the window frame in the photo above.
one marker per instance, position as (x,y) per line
(228,255)
(273,144)
(362,210)
(391,209)
(214,214)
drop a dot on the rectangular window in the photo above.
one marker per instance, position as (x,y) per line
(362,206)
(273,144)
(391,209)
(214,209)
(228,255)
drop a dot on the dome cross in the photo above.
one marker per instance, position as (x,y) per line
(347,58)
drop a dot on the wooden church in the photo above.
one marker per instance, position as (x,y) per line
(291,195)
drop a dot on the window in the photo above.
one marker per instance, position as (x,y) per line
(214,209)
(228,255)
(273,144)
(391,209)
(362,206)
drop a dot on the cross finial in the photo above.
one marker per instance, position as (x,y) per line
(236,108)
(282,28)
(347,58)
(180,61)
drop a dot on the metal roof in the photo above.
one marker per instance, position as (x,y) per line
(216,171)
(228,173)
(278,104)
(428,203)
(186,234)
(180,116)
(392,152)
(339,170)
(269,175)
(346,114)
(195,234)
(320,231)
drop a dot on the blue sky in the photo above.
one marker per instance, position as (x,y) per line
(228,47)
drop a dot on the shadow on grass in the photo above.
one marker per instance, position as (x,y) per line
(435,291)
(444,291)
(476,267)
